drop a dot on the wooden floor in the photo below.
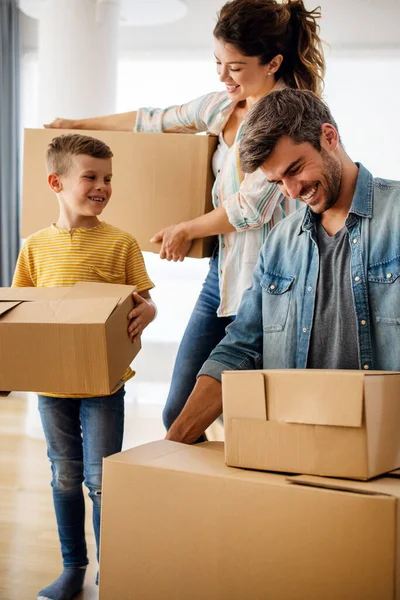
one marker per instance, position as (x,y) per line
(29,548)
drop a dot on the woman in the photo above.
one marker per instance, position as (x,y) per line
(260,46)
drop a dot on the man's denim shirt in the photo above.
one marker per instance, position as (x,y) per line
(274,322)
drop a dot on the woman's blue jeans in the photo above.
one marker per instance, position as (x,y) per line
(79,432)
(203,332)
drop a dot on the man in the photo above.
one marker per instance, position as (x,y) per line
(326,288)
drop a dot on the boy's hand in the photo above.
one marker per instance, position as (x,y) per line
(143,314)
(175,242)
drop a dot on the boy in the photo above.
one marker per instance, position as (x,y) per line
(80,431)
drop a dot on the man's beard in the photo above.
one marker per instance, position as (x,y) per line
(332,175)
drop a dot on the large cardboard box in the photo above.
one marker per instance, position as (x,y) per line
(177,523)
(320,422)
(158,180)
(65,340)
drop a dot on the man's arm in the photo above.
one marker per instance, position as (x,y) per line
(204,405)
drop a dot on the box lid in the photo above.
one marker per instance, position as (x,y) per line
(82,311)
(85,302)
(6,306)
(303,396)
(26,294)
(382,486)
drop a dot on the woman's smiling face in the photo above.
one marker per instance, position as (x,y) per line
(243,76)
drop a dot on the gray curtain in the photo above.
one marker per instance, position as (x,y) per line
(9,139)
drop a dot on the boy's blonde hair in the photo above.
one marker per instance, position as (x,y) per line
(63,147)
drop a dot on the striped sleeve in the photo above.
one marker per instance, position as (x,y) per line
(22,276)
(136,273)
(254,204)
(206,113)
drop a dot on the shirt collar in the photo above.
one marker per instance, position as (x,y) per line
(361,204)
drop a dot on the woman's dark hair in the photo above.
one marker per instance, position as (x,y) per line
(265,28)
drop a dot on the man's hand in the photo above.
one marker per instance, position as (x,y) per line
(204,405)
(175,242)
(60,124)
(143,314)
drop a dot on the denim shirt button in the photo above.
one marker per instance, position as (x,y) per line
(355,240)
(366,367)
(356,278)
(363,322)
(309,288)
(272,286)
(304,329)
(388,275)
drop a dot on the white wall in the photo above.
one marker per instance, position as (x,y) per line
(363,92)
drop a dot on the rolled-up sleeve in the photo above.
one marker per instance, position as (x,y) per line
(254,204)
(204,114)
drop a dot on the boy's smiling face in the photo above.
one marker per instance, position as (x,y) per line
(85,189)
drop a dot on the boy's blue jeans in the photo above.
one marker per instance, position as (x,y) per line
(203,332)
(79,432)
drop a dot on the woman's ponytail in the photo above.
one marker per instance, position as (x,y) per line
(305,63)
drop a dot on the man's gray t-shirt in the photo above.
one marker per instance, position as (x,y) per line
(333,343)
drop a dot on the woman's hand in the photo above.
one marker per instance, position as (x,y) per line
(60,124)
(143,314)
(175,242)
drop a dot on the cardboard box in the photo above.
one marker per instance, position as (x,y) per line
(177,523)
(320,422)
(158,180)
(65,340)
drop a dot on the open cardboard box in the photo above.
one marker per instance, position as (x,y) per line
(318,422)
(158,180)
(177,523)
(65,340)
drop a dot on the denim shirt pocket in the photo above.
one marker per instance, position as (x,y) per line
(384,291)
(276,299)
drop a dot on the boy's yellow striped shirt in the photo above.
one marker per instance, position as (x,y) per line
(56,258)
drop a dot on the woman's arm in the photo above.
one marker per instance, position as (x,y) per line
(119,122)
(177,239)
(206,113)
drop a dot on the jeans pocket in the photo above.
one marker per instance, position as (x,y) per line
(276,300)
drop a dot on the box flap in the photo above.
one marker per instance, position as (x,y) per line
(199,459)
(33,293)
(6,306)
(315,397)
(243,395)
(382,486)
(85,310)
(86,289)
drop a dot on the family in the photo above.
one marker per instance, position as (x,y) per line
(305,274)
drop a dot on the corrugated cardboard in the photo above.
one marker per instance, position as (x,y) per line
(158,180)
(331,423)
(65,340)
(177,523)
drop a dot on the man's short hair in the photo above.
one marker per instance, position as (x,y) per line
(62,148)
(298,114)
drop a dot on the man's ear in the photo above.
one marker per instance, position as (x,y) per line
(54,182)
(329,137)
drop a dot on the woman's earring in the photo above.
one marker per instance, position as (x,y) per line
(269,73)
